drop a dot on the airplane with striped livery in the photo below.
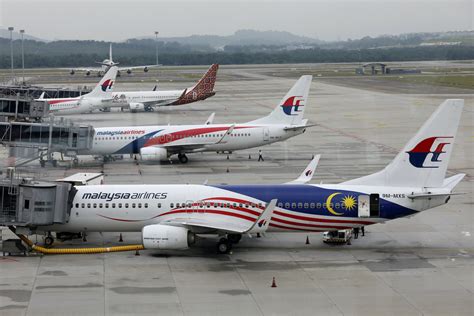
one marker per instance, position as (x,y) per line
(159,143)
(170,216)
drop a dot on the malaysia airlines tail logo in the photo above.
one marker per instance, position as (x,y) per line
(107,85)
(290,103)
(421,151)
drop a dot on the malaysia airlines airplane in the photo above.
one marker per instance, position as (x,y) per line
(107,63)
(146,100)
(159,143)
(170,216)
(96,99)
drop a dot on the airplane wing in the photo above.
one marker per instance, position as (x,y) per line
(308,172)
(196,147)
(227,226)
(138,67)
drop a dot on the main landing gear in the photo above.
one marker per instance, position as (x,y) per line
(224,246)
(182,158)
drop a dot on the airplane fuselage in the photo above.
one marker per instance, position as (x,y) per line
(156,98)
(121,208)
(73,105)
(129,140)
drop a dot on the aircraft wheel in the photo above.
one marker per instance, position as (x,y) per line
(183,158)
(234,238)
(48,241)
(224,246)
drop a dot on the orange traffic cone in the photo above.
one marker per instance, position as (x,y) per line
(274,283)
(307,240)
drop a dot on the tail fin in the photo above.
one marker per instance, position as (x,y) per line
(291,108)
(202,90)
(424,159)
(105,86)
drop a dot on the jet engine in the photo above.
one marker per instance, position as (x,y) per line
(145,69)
(88,73)
(136,107)
(154,153)
(72,72)
(129,71)
(167,237)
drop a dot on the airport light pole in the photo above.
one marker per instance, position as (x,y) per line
(156,44)
(22,32)
(11,28)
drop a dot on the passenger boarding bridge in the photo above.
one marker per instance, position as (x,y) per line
(25,123)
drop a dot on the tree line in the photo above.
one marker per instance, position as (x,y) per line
(70,54)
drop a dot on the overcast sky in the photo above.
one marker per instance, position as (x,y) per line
(116,20)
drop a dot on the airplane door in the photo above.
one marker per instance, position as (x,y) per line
(374,205)
(363,206)
(266,134)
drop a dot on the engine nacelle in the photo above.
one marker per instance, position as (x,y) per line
(129,71)
(137,107)
(154,153)
(145,69)
(167,237)
(88,73)
(72,72)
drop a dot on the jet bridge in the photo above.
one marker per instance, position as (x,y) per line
(29,204)
(35,92)
(25,123)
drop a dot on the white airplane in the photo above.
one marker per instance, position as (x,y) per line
(96,99)
(107,63)
(170,216)
(137,101)
(160,142)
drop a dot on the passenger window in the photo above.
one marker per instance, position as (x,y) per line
(293,205)
(88,205)
(337,205)
(318,205)
(146,205)
(120,205)
(106,205)
(100,205)
(133,205)
(126,205)
(139,205)
(113,205)
(27,205)
(172,205)
(312,205)
(159,205)
(95,205)
(300,205)
(82,205)
(306,205)
(287,205)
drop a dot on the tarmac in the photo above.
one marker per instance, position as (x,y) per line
(410,266)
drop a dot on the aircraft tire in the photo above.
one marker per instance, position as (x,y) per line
(224,246)
(183,158)
(234,238)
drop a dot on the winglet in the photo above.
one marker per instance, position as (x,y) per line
(263,221)
(308,172)
(210,119)
(41,96)
(226,135)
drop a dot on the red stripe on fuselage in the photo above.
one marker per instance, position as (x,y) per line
(322,220)
(61,101)
(171,137)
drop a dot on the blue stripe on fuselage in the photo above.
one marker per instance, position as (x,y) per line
(313,194)
(134,146)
